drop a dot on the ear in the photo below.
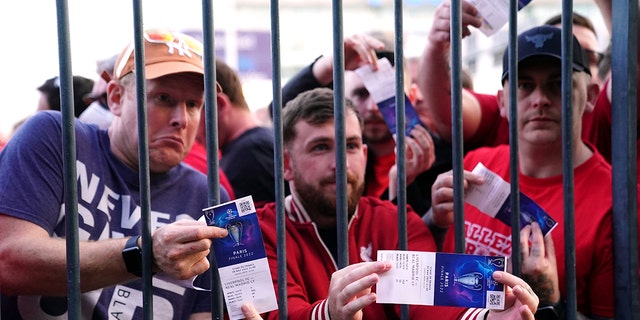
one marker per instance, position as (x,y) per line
(223,102)
(593,90)
(502,104)
(115,93)
(365,150)
(288,169)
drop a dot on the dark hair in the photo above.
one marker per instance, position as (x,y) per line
(314,107)
(578,20)
(81,87)
(230,84)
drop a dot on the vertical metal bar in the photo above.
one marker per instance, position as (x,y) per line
(339,118)
(567,158)
(143,158)
(516,263)
(400,124)
(69,162)
(624,158)
(211,120)
(456,125)
(401,155)
(211,102)
(279,161)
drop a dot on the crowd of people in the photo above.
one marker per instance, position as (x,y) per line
(32,191)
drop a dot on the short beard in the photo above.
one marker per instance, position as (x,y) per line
(317,204)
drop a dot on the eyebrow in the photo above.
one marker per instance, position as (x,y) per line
(326,139)
(321,139)
(354,138)
(358,89)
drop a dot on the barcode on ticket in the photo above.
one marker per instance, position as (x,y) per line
(245,206)
(495,300)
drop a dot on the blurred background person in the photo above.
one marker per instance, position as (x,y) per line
(50,94)
(97,111)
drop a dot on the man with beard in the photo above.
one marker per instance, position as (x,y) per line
(316,288)
(427,155)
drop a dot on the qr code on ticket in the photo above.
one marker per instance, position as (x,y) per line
(245,207)
(494,300)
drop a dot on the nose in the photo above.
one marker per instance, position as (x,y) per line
(371,105)
(541,97)
(333,164)
(179,116)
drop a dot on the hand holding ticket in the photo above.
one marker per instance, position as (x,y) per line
(493,198)
(441,279)
(494,13)
(241,257)
(381,85)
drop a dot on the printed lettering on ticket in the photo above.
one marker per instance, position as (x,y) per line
(494,199)
(241,257)
(441,279)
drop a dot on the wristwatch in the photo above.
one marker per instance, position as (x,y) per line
(132,256)
(551,312)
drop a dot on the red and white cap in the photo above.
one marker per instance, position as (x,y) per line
(165,52)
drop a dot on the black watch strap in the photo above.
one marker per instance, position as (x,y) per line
(132,256)
(551,312)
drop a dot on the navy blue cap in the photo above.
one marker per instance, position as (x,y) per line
(545,41)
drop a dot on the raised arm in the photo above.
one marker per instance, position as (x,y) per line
(434,77)
(359,49)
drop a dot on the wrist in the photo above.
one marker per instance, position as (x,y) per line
(439,47)
(432,222)
(322,70)
(132,256)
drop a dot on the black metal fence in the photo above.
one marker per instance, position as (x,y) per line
(624,86)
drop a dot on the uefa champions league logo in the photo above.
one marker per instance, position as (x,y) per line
(471,280)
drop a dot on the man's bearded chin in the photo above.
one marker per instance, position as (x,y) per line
(317,203)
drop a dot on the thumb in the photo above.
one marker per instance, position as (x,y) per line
(249,312)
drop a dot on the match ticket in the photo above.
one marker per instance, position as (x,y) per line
(241,257)
(494,13)
(494,199)
(441,279)
(381,85)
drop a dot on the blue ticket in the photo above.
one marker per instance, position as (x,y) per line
(381,85)
(241,257)
(494,199)
(244,241)
(388,110)
(441,279)
(530,212)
